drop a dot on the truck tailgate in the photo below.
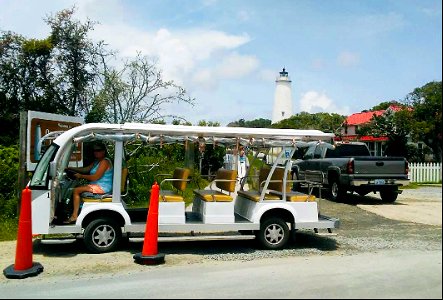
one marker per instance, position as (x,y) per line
(379,165)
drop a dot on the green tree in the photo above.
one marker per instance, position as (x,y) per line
(136,93)
(67,73)
(8,181)
(181,122)
(38,80)
(26,67)
(396,126)
(105,102)
(11,72)
(50,75)
(25,81)
(239,123)
(9,121)
(385,105)
(321,121)
(427,116)
(208,123)
(256,123)
(211,159)
(76,58)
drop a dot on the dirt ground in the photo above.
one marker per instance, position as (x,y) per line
(412,222)
(423,205)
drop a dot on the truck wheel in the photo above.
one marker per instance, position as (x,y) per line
(337,191)
(388,195)
(273,234)
(102,235)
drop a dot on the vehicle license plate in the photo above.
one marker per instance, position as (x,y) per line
(379,181)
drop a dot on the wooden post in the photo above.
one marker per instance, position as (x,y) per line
(22,177)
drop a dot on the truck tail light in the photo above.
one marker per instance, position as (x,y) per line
(406,167)
(350,166)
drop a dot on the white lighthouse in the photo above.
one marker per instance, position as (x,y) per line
(282,98)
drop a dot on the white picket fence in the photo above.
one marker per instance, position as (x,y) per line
(425,172)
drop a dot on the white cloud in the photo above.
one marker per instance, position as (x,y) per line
(204,78)
(187,55)
(313,102)
(180,53)
(348,59)
(236,66)
(232,66)
(267,75)
(207,42)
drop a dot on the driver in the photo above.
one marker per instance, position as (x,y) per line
(99,174)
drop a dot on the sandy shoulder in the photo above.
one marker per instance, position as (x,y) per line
(67,260)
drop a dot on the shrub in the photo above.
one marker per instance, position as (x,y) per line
(8,181)
(8,229)
(8,196)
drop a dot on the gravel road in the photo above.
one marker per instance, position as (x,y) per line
(366,226)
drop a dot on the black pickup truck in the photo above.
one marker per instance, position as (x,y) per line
(343,167)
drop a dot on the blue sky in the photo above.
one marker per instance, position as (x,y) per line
(342,56)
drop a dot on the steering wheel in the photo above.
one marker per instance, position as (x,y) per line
(70,174)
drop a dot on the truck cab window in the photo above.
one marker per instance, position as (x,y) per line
(332,153)
(353,150)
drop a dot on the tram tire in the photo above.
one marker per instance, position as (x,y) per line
(273,234)
(102,235)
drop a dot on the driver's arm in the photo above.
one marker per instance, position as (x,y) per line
(102,167)
(83,170)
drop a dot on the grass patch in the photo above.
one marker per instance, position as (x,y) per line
(415,185)
(430,183)
(8,229)
(410,186)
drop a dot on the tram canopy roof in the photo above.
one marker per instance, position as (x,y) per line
(164,134)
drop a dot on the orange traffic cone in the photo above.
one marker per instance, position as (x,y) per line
(24,267)
(149,254)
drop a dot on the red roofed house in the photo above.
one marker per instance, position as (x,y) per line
(351,124)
